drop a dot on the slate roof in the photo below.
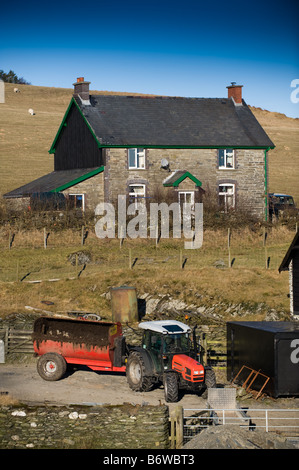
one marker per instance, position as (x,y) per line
(54,181)
(171,121)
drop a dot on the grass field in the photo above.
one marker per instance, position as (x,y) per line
(156,270)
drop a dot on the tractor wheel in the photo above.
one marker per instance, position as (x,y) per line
(171,388)
(51,366)
(210,382)
(135,372)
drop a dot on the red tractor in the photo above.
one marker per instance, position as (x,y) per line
(169,354)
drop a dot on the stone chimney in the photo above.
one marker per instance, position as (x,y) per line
(81,89)
(235,92)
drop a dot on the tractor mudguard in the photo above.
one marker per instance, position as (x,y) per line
(148,362)
(119,351)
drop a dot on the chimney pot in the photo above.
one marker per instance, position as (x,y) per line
(235,92)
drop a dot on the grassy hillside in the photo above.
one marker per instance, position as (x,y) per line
(284,159)
(25,139)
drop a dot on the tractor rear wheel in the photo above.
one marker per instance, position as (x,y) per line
(51,366)
(171,388)
(135,372)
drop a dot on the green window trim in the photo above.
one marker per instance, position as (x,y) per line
(78,180)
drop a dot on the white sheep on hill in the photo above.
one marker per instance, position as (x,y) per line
(30,111)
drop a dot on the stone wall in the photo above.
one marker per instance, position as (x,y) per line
(93,190)
(78,427)
(248,174)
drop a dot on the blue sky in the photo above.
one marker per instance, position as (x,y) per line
(187,48)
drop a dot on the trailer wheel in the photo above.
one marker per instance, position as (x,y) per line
(135,372)
(51,366)
(171,388)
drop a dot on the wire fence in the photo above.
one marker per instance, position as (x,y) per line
(266,419)
(44,255)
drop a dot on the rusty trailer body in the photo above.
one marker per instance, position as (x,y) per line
(61,341)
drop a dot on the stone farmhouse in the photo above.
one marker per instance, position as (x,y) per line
(141,146)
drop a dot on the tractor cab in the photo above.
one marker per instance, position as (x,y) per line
(164,339)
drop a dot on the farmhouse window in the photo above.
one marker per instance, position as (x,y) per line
(186,197)
(226,159)
(136,158)
(76,201)
(136,193)
(226,196)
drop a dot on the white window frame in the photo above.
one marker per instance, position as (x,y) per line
(228,152)
(138,152)
(184,193)
(83,199)
(137,197)
(227,195)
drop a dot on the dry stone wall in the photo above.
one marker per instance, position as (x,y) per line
(77,427)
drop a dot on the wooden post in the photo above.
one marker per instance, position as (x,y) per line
(45,238)
(265,246)
(228,246)
(205,348)
(177,427)
(121,241)
(82,234)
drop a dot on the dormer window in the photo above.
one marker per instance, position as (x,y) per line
(136,158)
(226,159)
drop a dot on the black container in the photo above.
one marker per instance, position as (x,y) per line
(269,347)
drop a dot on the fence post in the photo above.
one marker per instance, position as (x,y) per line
(228,246)
(177,427)
(265,235)
(10,239)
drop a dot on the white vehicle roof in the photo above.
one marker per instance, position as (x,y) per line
(165,326)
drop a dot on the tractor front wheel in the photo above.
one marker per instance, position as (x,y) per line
(171,388)
(210,382)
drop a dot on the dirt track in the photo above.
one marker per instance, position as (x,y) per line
(81,386)
(86,387)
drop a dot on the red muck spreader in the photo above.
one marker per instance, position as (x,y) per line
(61,341)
